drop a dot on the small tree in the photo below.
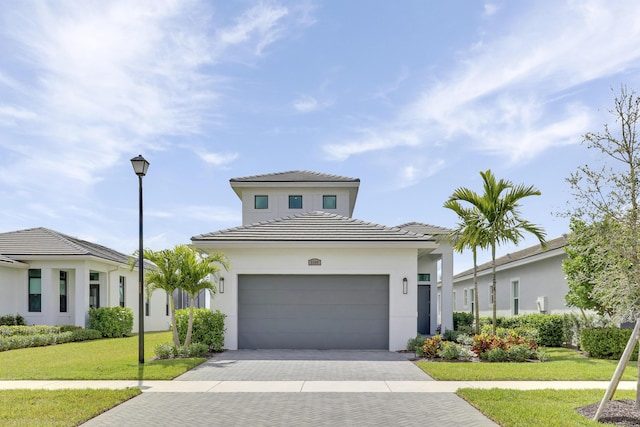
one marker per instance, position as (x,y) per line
(499,216)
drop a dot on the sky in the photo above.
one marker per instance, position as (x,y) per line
(414,97)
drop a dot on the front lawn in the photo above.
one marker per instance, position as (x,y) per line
(534,408)
(105,359)
(563,365)
(57,407)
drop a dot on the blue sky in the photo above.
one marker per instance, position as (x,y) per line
(413,97)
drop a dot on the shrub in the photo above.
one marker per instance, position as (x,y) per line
(169,351)
(462,320)
(520,353)
(452,351)
(414,344)
(465,339)
(550,327)
(606,343)
(80,334)
(208,327)
(496,354)
(431,346)
(111,321)
(451,335)
(11,320)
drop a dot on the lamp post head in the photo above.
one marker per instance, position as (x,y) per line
(140,165)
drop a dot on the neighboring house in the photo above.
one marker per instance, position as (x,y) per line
(50,279)
(528,281)
(306,275)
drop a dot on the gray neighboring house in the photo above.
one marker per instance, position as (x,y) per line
(51,278)
(530,280)
(305,274)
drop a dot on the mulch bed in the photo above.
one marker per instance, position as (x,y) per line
(618,412)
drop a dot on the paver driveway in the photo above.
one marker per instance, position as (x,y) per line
(328,408)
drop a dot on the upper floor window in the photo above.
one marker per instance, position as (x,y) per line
(94,276)
(295,202)
(328,202)
(35,290)
(261,202)
(424,277)
(63,292)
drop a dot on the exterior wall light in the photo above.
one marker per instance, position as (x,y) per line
(221,285)
(405,286)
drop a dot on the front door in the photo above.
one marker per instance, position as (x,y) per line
(424,309)
(94,295)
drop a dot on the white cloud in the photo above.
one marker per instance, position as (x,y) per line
(307,104)
(218,159)
(497,97)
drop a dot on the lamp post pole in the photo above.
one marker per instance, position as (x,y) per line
(140,166)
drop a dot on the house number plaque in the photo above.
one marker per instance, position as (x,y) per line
(315,261)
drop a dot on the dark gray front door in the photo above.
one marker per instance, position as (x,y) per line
(313,312)
(424,309)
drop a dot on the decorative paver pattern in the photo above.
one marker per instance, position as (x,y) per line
(287,409)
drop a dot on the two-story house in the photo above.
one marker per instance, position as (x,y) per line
(305,274)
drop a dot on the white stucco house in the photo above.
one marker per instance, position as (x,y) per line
(51,279)
(305,274)
(530,280)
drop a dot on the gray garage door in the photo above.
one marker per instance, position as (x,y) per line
(313,312)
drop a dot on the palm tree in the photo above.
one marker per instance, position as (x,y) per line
(469,235)
(196,272)
(499,214)
(165,276)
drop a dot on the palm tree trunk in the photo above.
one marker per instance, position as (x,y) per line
(495,294)
(174,327)
(187,340)
(475,291)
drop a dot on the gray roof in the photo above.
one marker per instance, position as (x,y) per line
(314,227)
(557,243)
(41,241)
(422,228)
(295,176)
(5,261)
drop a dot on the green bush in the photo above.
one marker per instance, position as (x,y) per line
(451,335)
(431,346)
(520,353)
(6,331)
(606,343)
(495,355)
(550,327)
(11,320)
(413,344)
(80,334)
(170,351)
(208,327)
(112,322)
(462,320)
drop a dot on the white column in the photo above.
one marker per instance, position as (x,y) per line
(447,291)
(81,297)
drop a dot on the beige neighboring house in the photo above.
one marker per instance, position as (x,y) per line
(51,278)
(530,280)
(305,274)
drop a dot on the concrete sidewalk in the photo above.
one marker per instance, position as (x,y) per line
(309,386)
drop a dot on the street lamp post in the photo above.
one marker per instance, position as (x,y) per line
(140,166)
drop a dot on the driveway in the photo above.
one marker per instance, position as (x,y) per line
(265,369)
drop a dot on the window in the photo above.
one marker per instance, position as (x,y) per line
(94,276)
(328,202)
(261,202)
(472,294)
(63,292)
(454,300)
(166,310)
(147,309)
(515,287)
(35,290)
(465,298)
(121,288)
(94,295)
(491,295)
(424,277)
(295,202)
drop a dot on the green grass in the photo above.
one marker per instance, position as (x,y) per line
(564,365)
(106,359)
(57,407)
(534,408)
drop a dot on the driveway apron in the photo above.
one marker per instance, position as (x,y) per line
(330,407)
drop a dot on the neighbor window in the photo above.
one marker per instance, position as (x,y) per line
(63,292)
(472,294)
(35,290)
(328,202)
(491,295)
(261,202)
(295,202)
(454,300)
(121,290)
(465,298)
(515,286)
(166,310)
(147,309)
(424,277)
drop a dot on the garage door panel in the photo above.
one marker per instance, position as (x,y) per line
(339,312)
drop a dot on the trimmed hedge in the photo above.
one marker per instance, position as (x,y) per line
(550,327)
(208,327)
(11,320)
(606,343)
(112,322)
(462,320)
